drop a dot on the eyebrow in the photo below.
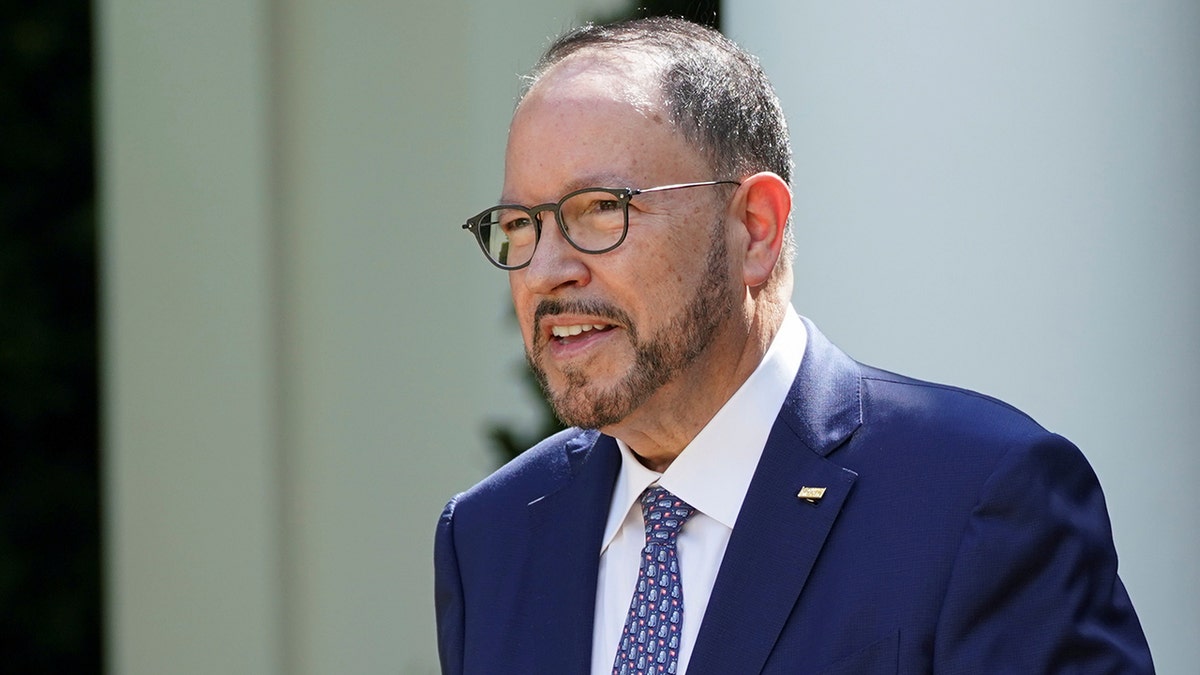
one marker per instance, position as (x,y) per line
(605,180)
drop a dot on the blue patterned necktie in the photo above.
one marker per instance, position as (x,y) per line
(650,641)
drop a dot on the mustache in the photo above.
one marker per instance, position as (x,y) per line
(596,308)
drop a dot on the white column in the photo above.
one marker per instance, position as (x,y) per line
(191,454)
(1005,196)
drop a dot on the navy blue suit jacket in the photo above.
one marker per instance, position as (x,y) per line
(955,535)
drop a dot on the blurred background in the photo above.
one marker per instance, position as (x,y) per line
(247,354)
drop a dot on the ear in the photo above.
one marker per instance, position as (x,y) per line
(762,205)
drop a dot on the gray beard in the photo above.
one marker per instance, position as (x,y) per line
(657,361)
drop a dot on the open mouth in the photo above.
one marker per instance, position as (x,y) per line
(576,332)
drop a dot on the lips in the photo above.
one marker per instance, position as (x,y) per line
(565,321)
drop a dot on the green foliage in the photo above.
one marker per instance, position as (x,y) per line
(508,442)
(707,12)
(49,483)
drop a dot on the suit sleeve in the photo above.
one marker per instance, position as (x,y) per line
(1034,587)
(448,595)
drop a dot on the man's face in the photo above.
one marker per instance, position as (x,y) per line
(634,329)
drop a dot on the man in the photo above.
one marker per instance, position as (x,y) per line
(737,495)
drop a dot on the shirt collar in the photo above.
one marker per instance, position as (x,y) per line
(714,471)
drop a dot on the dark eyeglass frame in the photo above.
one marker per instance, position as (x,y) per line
(623,196)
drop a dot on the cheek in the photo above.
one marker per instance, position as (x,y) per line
(654,294)
(677,264)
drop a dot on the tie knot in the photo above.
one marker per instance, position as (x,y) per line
(664,514)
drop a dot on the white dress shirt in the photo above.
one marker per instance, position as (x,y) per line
(712,474)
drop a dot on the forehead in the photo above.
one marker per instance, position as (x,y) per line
(630,76)
(592,114)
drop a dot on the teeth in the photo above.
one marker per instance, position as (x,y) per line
(568,331)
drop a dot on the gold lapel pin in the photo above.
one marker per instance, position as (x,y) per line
(812,495)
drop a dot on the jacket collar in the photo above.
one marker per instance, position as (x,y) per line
(779,534)
(824,405)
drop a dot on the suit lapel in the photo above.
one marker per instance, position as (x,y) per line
(778,536)
(560,576)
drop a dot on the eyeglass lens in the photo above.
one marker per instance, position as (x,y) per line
(593,221)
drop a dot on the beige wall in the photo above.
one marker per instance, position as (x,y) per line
(302,348)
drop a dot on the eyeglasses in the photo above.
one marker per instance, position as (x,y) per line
(593,220)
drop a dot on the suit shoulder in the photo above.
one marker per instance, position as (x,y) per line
(534,472)
(889,397)
(492,517)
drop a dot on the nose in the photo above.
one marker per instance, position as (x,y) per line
(556,264)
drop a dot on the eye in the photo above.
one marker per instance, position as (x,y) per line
(593,204)
(601,205)
(515,223)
